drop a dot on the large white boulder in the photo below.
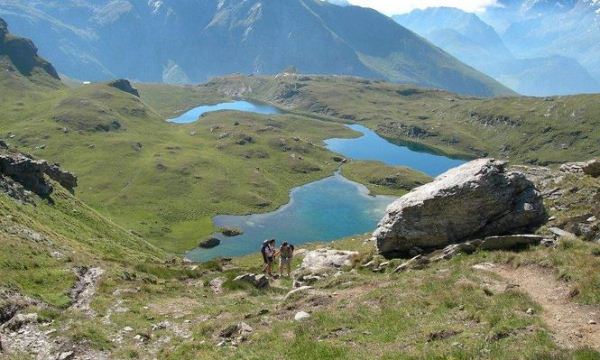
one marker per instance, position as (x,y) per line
(476,200)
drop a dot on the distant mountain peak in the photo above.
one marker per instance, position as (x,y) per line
(164,40)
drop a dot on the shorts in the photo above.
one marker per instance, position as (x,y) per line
(285,261)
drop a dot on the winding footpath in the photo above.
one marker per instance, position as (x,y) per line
(572,325)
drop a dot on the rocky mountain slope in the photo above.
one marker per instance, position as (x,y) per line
(21,66)
(76,284)
(476,43)
(195,41)
(568,28)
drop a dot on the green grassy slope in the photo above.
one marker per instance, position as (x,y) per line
(450,309)
(382,179)
(130,160)
(43,243)
(522,129)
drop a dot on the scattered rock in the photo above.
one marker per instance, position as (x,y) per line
(231,232)
(453,250)
(85,288)
(592,322)
(259,281)
(325,259)
(562,233)
(67,355)
(210,243)
(475,200)
(301,280)
(530,311)
(441,335)
(297,291)
(416,263)
(551,243)
(591,168)
(301,316)
(508,242)
(21,320)
(216,285)
(160,326)
(240,330)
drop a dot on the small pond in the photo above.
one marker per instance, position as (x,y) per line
(371,146)
(246,106)
(324,210)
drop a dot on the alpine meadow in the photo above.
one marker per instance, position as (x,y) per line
(299,179)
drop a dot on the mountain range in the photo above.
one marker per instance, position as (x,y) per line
(193,41)
(500,53)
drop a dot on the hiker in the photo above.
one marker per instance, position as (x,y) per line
(268,252)
(286,251)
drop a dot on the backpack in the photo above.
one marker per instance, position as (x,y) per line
(266,250)
(290,248)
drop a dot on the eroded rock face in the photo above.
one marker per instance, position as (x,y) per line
(23,53)
(124,85)
(476,200)
(29,173)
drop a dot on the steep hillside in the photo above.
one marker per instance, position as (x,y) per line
(21,66)
(195,41)
(476,43)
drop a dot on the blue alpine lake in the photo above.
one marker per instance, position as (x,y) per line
(324,210)
(246,106)
(371,146)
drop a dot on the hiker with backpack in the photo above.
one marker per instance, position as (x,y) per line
(286,251)
(268,252)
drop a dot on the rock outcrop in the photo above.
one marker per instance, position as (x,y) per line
(124,85)
(209,243)
(476,200)
(259,281)
(325,259)
(3,29)
(591,168)
(23,53)
(30,173)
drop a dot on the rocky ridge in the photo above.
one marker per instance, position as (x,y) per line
(23,53)
(20,173)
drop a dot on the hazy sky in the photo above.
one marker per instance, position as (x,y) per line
(391,7)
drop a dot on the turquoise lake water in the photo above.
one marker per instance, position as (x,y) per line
(324,210)
(193,114)
(371,146)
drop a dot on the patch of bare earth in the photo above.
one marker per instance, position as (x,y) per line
(572,325)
